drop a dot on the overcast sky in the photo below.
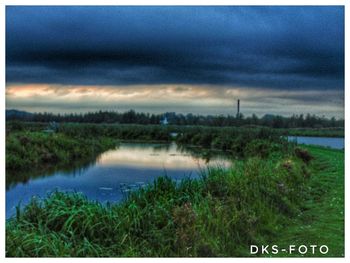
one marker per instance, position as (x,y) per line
(279,60)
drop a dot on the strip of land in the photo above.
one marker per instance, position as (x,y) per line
(274,193)
(321,221)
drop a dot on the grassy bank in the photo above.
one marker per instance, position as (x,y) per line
(220,214)
(321,132)
(161,132)
(29,146)
(322,219)
(274,193)
(239,141)
(40,151)
(74,145)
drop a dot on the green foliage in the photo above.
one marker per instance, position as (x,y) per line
(321,220)
(219,214)
(122,132)
(40,151)
(230,139)
(15,126)
(315,132)
(303,154)
(132,117)
(240,141)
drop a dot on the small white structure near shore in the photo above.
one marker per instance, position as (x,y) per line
(164,121)
(52,128)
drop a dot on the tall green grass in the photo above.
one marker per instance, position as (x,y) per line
(220,214)
(39,151)
(239,141)
(322,220)
(161,132)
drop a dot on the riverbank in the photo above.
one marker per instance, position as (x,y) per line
(272,193)
(321,221)
(220,214)
(29,146)
(41,151)
(314,132)
(162,132)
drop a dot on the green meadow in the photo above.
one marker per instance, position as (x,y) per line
(274,192)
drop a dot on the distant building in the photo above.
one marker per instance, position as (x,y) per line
(52,128)
(164,121)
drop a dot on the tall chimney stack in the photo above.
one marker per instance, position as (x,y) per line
(237,108)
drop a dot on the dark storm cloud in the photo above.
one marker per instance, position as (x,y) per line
(275,47)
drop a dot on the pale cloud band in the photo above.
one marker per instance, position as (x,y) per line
(197,99)
(184,59)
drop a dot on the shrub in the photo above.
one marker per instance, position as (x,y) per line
(303,154)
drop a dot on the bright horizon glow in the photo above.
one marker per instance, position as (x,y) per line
(196,99)
(182,59)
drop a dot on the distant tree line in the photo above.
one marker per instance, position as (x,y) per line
(132,117)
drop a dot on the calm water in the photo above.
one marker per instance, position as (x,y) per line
(336,143)
(127,167)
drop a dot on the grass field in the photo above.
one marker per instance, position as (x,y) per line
(280,199)
(161,132)
(322,220)
(36,149)
(273,193)
(321,132)
(34,153)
